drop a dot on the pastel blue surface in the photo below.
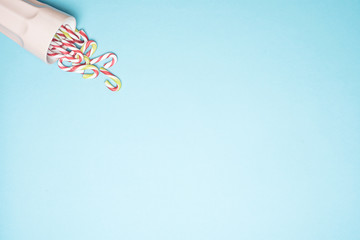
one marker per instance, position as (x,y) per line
(236,120)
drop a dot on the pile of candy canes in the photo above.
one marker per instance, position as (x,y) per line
(74,50)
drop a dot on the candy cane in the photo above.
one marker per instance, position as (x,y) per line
(80,69)
(61,39)
(83,35)
(72,53)
(60,50)
(74,50)
(89,44)
(109,85)
(105,56)
(66,30)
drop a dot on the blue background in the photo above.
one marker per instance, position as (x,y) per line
(236,120)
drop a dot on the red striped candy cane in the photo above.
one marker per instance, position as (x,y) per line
(105,56)
(89,45)
(113,87)
(81,68)
(70,34)
(73,49)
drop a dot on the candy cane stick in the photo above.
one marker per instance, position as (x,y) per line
(61,39)
(80,69)
(69,33)
(55,55)
(89,44)
(74,50)
(105,56)
(114,78)
(65,47)
(60,50)
(82,35)
(69,68)
(71,57)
